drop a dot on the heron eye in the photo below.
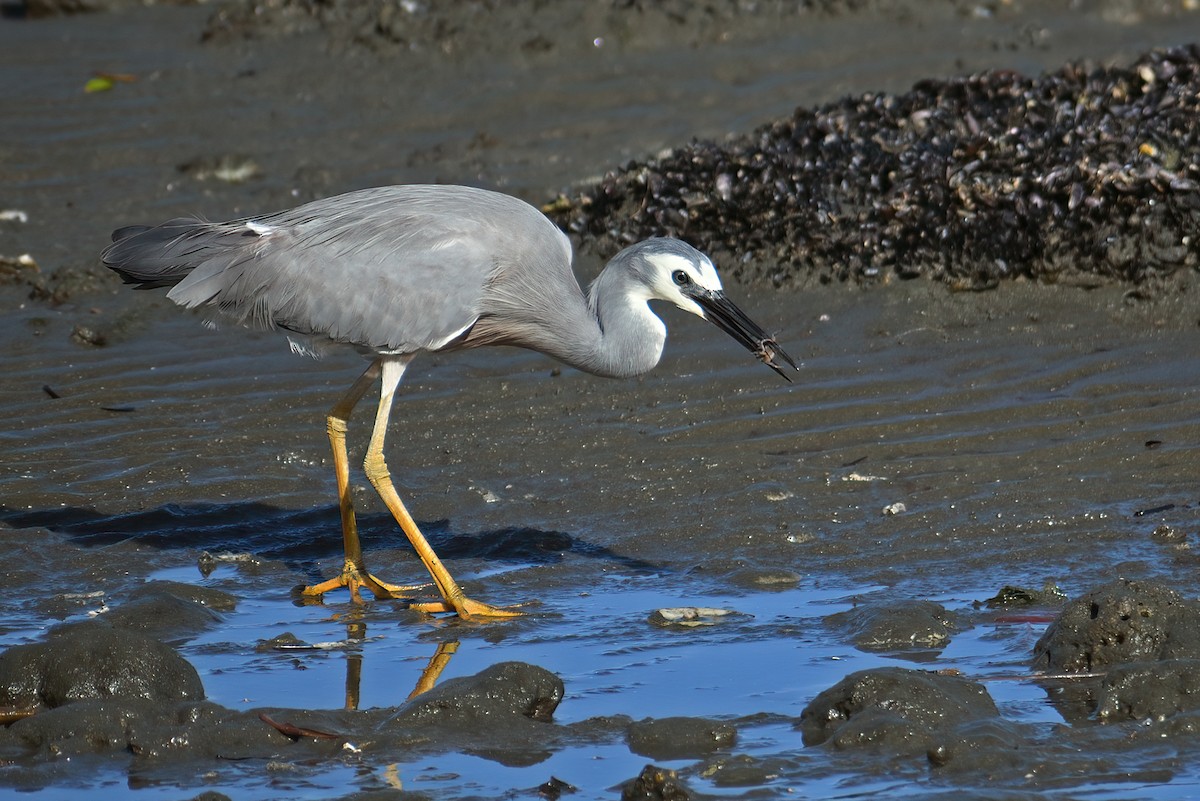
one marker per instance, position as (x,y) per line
(681,278)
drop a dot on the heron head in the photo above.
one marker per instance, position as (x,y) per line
(675,271)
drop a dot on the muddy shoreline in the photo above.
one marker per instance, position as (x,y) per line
(165,486)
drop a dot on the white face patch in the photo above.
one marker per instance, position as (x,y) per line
(704,275)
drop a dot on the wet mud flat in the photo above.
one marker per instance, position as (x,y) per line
(852,568)
(954,559)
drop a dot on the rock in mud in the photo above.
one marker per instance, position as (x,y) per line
(740,771)
(655,784)
(893,625)
(1117,623)
(500,695)
(500,713)
(679,737)
(84,727)
(169,611)
(766,578)
(1151,691)
(95,661)
(893,709)
(988,746)
(144,729)
(1010,596)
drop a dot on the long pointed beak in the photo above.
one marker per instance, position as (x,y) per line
(721,312)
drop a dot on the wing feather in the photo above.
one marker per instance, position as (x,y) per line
(401,268)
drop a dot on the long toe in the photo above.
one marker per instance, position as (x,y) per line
(384,590)
(467,609)
(355,579)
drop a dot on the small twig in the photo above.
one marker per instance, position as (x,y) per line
(296,732)
(11,714)
(1042,677)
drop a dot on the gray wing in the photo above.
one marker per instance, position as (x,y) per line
(395,268)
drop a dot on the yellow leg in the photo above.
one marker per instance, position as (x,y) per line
(453,599)
(433,670)
(354,573)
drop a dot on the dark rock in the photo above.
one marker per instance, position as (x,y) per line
(84,727)
(743,770)
(1123,621)
(169,612)
(146,729)
(93,660)
(893,709)
(554,788)
(892,625)
(679,737)
(765,578)
(217,600)
(279,642)
(1150,690)
(215,732)
(494,696)
(655,784)
(1010,596)
(991,745)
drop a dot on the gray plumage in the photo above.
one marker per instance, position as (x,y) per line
(402,269)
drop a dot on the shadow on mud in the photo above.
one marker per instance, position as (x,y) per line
(299,537)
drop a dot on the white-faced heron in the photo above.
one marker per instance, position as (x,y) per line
(399,270)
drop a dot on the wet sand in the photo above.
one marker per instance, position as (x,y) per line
(1034,434)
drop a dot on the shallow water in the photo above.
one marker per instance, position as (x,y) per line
(1014,425)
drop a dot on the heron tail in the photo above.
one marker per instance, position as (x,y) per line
(150,257)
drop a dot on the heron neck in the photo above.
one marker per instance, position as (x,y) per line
(630,337)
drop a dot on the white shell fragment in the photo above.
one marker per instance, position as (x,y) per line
(691,616)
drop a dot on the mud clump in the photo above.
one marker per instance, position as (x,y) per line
(142,729)
(679,737)
(1085,174)
(1140,643)
(507,689)
(1118,623)
(655,784)
(1151,691)
(893,709)
(481,714)
(95,661)
(896,625)
(989,746)
(171,612)
(503,713)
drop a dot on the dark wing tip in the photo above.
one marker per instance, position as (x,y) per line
(152,256)
(128,231)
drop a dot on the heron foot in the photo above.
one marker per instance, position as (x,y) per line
(466,608)
(356,577)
